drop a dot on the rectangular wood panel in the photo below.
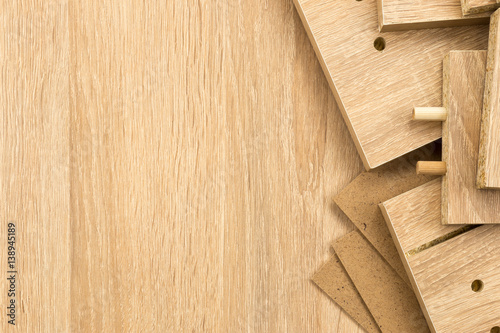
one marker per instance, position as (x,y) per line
(446,263)
(377,90)
(488,175)
(463,90)
(417,14)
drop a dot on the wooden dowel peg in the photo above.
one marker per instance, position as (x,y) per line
(430,114)
(431,168)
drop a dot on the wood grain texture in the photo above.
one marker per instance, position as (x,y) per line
(463,91)
(391,301)
(471,7)
(377,91)
(170,167)
(397,15)
(34,155)
(443,261)
(359,200)
(488,175)
(333,279)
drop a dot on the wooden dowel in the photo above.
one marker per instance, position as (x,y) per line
(430,114)
(431,168)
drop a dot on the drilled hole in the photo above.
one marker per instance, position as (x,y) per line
(495,329)
(477,286)
(379,44)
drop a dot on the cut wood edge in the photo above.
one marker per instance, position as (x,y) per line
(489,5)
(482,181)
(407,267)
(431,168)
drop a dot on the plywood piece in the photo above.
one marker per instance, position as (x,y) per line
(376,91)
(360,199)
(35,167)
(333,279)
(443,262)
(391,301)
(417,14)
(471,7)
(488,175)
(463,90)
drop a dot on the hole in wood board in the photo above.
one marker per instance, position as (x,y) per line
(379,44)
(495,329)
(477,286)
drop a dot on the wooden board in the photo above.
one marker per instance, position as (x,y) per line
(359,200)
(397,15)
(34,155)
(204,148)
(463,90)
(444,261)
(471,7)
(488,175)
(375,90)
(391,301)
(333,279)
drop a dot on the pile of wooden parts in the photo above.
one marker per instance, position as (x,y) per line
(418,84)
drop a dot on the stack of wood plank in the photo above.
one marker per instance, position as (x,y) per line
(417,82)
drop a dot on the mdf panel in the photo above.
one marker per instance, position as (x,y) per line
(34,155)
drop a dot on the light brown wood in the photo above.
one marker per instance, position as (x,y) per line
(431,168)
(397,15)
(463,90)
(333,279)
(391,301)
(430,114)
(444,261)
(471,7)
(488,175)
(375,90)
(34,155)
(183,180)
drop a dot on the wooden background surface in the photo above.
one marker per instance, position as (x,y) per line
(169,165)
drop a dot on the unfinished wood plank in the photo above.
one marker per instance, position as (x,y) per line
(391,301)
(397,15)
(34,155)
(376,91)
(444,262)
(488,175)
(471,7)
(360,199)
(333,279)
(463,90)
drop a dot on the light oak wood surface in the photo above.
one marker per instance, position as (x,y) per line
(446,262)
(397,15)
(377,90)
(463,91)
(170,166)
(488,175)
